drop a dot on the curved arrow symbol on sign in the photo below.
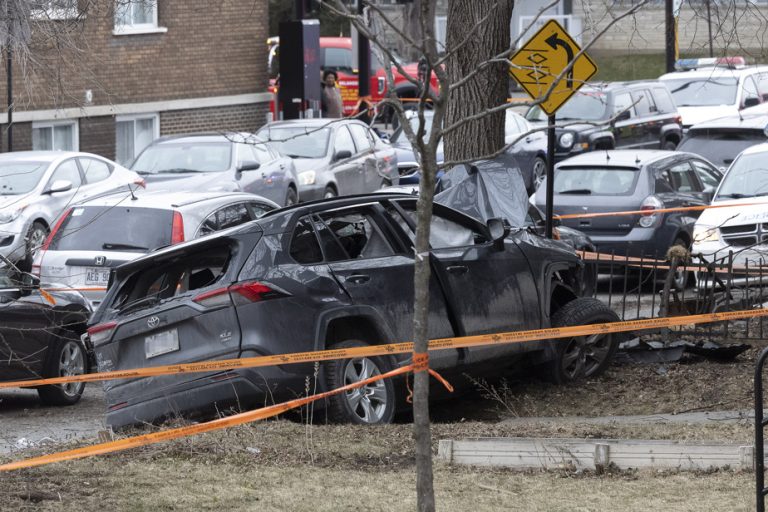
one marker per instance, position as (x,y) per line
(554,42)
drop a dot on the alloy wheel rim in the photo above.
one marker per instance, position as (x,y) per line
(539,170)
(71,362)
(584,355)
(368,403)
(36,240)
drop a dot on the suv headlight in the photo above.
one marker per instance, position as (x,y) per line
(703,234)
(307,178)
(10,215)
(566,140)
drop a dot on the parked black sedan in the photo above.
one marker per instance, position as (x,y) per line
(40,336)
(334,274)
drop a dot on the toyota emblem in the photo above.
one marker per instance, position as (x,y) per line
(153,322)
(100,261)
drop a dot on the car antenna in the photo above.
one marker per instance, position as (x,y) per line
(607,156)
(133,196)
(637,159)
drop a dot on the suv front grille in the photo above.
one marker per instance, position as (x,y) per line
(745,235)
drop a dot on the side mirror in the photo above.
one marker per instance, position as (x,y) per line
(341,155)
(59,186)
(751,102)
(498,229)
(248,165)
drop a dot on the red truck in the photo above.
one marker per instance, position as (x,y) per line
(336,55)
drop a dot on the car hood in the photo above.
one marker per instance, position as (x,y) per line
(750,210)
(14,200)
(206,181)
(694,115)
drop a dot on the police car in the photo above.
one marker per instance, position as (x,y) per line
(705,89)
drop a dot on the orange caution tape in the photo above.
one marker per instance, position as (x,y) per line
(210,426)
(420,362)
(399,348)
(650,212)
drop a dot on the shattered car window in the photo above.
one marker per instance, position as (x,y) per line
(356,234)
(442,232)
(304,246)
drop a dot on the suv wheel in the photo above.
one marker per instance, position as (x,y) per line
(539,171)
(291,197)
(583,356)
(36,235)
(66,357)
(370,405)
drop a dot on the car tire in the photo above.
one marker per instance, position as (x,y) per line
(373,404)
(539,171)
(66,356)
(582,357)
(330,192)
(35,237)
(669,145)
(291,197)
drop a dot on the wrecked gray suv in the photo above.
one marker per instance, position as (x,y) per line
(330,274)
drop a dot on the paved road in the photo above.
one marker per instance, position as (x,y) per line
(25,422)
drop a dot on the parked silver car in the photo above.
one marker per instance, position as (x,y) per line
(234,162)
(334,156)
(37,186)
(93,237)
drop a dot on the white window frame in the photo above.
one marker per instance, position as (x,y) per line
(50,124)
(137,28)
(138,117)
(49,12)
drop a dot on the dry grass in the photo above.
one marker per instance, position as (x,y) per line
(268,467)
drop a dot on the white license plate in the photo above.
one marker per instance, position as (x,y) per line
(161,343)
(96,276)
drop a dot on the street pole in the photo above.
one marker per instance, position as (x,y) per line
(671,39)
(363,60)
(709,29)
(9,87)
(550,175)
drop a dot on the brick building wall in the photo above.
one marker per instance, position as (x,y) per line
(202,68)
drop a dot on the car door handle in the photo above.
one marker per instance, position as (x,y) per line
(358,278)
(457,269)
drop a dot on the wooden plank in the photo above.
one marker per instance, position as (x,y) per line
(589,453)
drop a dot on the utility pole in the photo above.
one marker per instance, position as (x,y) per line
(9,73)
(671,36)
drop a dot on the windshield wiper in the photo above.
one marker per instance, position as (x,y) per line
(177,170)
(736,195)
(128,247)
(584,191)
(295,156)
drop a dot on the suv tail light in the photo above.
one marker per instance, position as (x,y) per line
(101,333)
(240,293)
(177,229)
(55,229)
(650,205)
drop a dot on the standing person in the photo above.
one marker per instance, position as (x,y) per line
(331,96)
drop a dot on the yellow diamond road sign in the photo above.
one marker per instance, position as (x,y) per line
(540,61)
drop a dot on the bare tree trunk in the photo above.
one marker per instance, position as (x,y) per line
(489,87)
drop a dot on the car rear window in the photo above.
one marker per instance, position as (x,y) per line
(596,181)
(720,146)
(115,228)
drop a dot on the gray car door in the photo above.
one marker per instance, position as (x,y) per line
(376,270)
(367,157)
(345,165)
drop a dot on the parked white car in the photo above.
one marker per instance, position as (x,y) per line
(38,186)
(706,89)
(98,235)
(740,224)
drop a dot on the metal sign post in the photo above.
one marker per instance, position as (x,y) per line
(535,66)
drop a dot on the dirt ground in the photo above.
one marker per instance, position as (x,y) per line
(288,465)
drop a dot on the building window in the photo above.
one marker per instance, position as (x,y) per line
(136,17)
(133,134)
(60,136)
(54,9)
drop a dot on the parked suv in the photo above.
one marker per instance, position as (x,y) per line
(335,274)
(621,115)
(92,238)
(616,181)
